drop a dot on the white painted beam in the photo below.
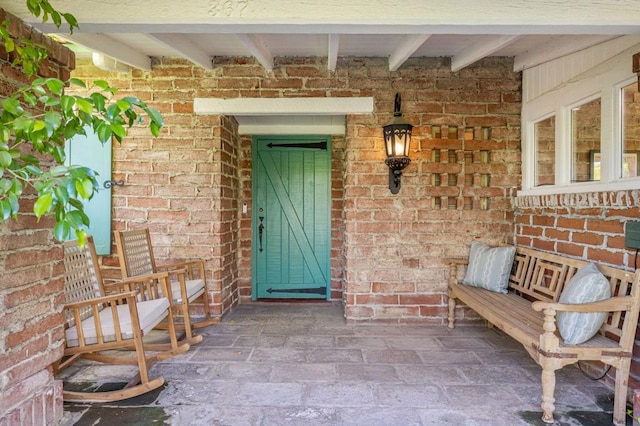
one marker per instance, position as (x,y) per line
(283,106)
(492,15)
(256,46)
(110,47)
(482,48)
(332,51)
(405,49)
(185,48)
(550,51)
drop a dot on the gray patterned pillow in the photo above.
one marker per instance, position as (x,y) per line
(587,285)
(489,267)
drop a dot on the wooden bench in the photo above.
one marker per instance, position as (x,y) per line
(527,313)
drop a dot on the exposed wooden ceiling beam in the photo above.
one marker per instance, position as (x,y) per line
(554,50)
(332,54)
(256,46)
(110,47)
(185,48)
(480,49)
(405,49)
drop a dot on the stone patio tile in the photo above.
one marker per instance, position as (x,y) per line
(430,374)
(361,342)
(334,355)
(247,371)
(452,357)
(310,342)
(489,375)
(391,356)
(506,357)
(417,396)
(339,394)
(476,417)
(308,372)
(286,329)
(301,416)
(412,342)
(213,414)
(221,354)
(261,341)
(370,373)
(235,329)
(183,370)
(268,394)
(219,340)
(466,342)
(480,396)
(379,416)
(198,392)
(278,355)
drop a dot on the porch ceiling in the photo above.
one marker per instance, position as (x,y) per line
(531,31)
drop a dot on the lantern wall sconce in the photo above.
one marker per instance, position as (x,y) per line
(397,140)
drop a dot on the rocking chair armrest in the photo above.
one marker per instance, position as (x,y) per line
(188,268)
(613,304)
(147,287)
(129,296)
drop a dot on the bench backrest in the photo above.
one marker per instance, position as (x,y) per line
(542,276)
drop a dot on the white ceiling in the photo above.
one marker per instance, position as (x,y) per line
(531,31)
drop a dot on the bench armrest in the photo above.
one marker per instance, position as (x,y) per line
(456,261)
(612,304)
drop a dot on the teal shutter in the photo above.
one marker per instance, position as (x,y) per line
(89,152)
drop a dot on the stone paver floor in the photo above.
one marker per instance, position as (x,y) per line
(302,364)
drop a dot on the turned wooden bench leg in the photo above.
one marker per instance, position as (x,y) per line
(549,367)
(452,311)
(620,400)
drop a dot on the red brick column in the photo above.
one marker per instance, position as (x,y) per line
(31,283)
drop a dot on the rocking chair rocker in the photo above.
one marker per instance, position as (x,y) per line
(101,317)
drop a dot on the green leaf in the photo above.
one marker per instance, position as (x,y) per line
(155,128)
(104,132)
(12,106)
(53,118)
(99,101)
(55,86)
(123,105)
(85,188)
(84,105)
(119,131)
(81,235)
(101,84)
(61,231)
(42,204)
(78,82)
(5,159)
(155,116)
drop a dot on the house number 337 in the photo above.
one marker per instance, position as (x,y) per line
(227,7)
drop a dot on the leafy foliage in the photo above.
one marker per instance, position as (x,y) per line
(36,120)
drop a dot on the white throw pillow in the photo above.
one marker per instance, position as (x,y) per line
(489,267)
(586,286)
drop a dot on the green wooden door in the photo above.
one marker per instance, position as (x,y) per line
(291,217)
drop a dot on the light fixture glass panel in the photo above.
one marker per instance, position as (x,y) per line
(585,136)
(545,139)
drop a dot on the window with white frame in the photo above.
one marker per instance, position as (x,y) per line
(583,133)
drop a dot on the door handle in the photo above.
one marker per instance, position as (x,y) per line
(260,231)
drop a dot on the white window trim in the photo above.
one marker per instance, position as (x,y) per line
(605,81)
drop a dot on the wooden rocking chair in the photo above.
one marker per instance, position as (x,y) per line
(188,280)
(102,317)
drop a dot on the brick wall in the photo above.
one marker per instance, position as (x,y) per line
(188,186)
(31,283)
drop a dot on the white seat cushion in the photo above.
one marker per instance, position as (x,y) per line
(195,288)
(150,313)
